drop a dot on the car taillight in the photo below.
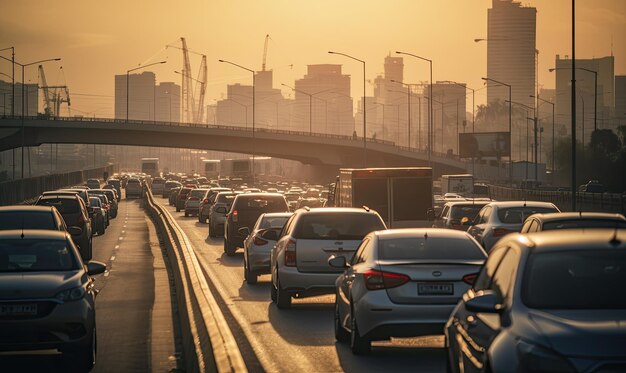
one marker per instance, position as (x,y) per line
(376,280)
(499,232)
(235,216)
(205,201)
(290,254)
(469,279)
(259,241)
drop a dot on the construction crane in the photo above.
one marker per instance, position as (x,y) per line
(267,38)
(192,111)
(53,100)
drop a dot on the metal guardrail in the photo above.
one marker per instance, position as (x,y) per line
(22,190)
(600,202)
(208,343)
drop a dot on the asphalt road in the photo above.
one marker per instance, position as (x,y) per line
(300,339)
(127,316)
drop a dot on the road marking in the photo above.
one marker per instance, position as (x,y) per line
(121,238)
(123,232)
(106,274)
(113,258)
(117,246)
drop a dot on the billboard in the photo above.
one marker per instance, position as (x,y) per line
(484,144)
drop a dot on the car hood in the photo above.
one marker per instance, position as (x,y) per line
(30,285)
(588,333)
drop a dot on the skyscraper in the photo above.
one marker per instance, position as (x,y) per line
(142,92)
(167,102)
(511,51)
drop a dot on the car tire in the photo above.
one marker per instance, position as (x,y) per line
(229,249)
(341,334)
(273,292)
(283,298)
(251,277)
(212,230)
(102,229)
(186,214)
(177,209)
(358,344)
(83,357)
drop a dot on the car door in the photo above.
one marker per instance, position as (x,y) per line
(480,223)
(347,277)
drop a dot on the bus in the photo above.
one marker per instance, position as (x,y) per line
(402,196)
(211,168)
(236,168)
(150,166)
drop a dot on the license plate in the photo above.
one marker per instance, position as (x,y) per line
(435,289)
(18,309)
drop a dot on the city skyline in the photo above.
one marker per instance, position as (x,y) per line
(89,62)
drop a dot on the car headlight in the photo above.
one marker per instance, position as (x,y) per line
(538,359)
(71,294)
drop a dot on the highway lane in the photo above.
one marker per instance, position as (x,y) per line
(125,306)
(302,338)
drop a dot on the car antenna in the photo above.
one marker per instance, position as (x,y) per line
(425,235)
(614,240)
(22,235)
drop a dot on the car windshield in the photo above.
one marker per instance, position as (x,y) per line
(585,279)
(65,206)
(431,248)
(583,223)
(469,211)
(517,215)
(30,255)
(337,226)
(27,220)
(273,222)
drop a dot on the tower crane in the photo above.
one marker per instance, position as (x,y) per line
(54,99)
(267,38)
(192,111)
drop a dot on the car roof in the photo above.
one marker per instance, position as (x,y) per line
(505,204)
(277,214)
(61,196)
(33,234)
(324,210)
(466,203)
(421,232)
(61,192)
(558,216)
(25,208)
(253,195)
(570,239)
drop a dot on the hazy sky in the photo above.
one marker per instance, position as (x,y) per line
(98,39)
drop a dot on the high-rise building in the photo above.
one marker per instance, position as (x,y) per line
(511,52)
(620,101)
(585,92)
(31,98)
(142,93)
(167,102)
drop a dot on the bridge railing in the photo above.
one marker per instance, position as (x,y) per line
(236,128)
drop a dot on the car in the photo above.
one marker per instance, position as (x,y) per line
(207,202)
(93,183)
(75,214)
(169,186)
(47,299)
(308,202)
(417,275)
(181,197)
(544,302)
(117,184)
(458,215)
(99,215)
(82,193)
(572,220)
(244,212)
(110,194)
(106,207)
(193,201)
(33,217)
(218,211)
(134,188)
(497,219)
(592,186)
(112,189)
(158,185)
(259,242)
(292,199)
(299,260)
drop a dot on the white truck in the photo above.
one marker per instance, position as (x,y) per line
(462,184)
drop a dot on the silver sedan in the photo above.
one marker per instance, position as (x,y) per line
(403,283)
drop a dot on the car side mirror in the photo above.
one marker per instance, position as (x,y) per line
(220,210)
(75,231)
(338,262)
(95,268)
(430,214)
(244,231)
(270,235)
(484,301)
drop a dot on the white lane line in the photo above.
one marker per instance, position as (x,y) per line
(106,274)
(121,238)
(123,232)
(113,258)
(117,246)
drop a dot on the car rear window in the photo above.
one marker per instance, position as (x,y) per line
(431,248)
(27,220)
(585,279)
(273,222)
(583,223)
(198,193)
(226,198)
(261,203)
(65,206)
(133,181)
(337,226)
(517,215)
(469,211)
(31,255)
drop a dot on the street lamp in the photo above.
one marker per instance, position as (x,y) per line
(510,127)
(551,103)
(253,110)
(128,79)
(364,98)
(595,94)
(430,107)
(310,105)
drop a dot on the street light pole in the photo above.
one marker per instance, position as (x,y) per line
(553,132)
(364,99)
(408,94)
(128,85)
(253,111)
(510,128)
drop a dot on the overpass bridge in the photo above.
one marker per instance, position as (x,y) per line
(308,148)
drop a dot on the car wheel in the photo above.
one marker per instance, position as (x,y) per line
(177,209)
(358,344)
(273,292)
(251,277)
(283,298)
(83,357)
(228,249)
(341,334)
(212,230)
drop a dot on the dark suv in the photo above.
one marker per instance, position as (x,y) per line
(245,211)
